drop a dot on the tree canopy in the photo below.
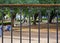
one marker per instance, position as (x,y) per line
(29,1)
(25,10)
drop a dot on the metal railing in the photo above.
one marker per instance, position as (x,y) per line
(11,6)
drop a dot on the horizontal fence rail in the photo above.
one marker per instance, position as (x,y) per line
(29,5)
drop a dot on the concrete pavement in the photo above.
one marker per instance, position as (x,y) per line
(7,39)
(25,34)
(35,30)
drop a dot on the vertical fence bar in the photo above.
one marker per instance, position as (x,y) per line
(11,31)
(20,28)
(57,27)
(29,28)
(11,11)
(48,13)
(2,26)
(39,18)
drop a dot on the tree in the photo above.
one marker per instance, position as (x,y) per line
(53,14)
(25,10)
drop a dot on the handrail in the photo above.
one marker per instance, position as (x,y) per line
(29,5)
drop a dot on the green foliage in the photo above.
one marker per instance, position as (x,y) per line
(26,9)
(29,1)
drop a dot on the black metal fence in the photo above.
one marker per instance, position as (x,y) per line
(29,6)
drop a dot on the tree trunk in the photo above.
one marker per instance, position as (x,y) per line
(53,14)
(13,18)
(12,22)
(35,17)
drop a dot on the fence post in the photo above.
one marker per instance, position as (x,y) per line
(57,12)
(11,12)
(2,25)
(48,13)
(39,18)
(29,26)
(21,25)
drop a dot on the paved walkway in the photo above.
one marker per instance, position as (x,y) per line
(16,39)
(35,30)
(26,40)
